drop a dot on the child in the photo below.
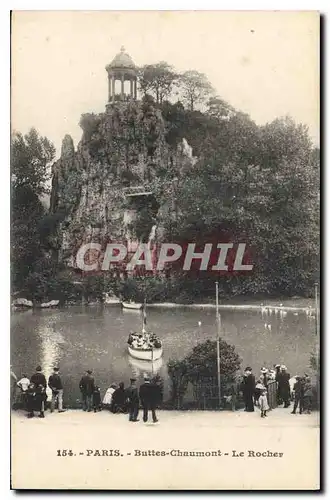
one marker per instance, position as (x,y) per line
(263,403)
(30,400)
(97,399)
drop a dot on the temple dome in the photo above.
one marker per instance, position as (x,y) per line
(122,61)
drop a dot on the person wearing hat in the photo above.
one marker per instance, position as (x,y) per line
(55,384)
(298,395)
(38,379)
(249,383)
(149,398)
(133,401)
(284,386)
(87,386)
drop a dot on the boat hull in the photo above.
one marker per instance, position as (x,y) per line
(128,305)
(145,354)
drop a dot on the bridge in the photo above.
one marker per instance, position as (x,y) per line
(137,191)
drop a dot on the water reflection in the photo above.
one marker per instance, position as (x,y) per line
(50,352)
(142,368)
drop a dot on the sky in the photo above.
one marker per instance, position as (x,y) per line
(263,63)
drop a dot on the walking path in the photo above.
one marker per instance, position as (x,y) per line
(280,451)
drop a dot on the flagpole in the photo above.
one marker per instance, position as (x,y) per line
(218,341)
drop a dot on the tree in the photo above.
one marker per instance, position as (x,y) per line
(219,108)
(31,157)
(200,369)
(261,183)
(195,88)
(157,80)
(202,362)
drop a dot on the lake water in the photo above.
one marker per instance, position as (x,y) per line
(83,337)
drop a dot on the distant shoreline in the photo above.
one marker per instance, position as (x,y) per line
(242,307)
(267,306)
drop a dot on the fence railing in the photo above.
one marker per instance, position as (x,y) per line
(205,396)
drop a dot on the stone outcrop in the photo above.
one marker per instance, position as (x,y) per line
(95,190)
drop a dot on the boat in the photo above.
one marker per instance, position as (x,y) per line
(52,303)
(151,349)
(152,354)
(131,305)
(111,299)
(22,303)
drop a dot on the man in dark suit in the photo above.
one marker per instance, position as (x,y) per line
(87,386)
(40,383)
(149,396)
(249,385)
(284,386)
(133,401)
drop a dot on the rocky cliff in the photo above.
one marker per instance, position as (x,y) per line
(100,191)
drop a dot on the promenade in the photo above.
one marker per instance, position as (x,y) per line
(185,450)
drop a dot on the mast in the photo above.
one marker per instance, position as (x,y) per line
(218,340)
(144,317)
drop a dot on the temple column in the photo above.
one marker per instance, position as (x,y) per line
(122,87)
(109,89)
(113,88)
(131,88)
(135,89)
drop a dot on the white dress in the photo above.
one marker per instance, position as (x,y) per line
(263,402)
(108,396)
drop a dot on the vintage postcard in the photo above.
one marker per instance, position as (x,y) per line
(165,212)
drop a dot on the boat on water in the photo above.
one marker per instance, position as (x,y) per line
(111,299)
(149,354)
(131,305)
(145,346)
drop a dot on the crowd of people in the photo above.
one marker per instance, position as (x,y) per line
(33,394)
(144,341)
(256,392)
(273,387)
(118,399)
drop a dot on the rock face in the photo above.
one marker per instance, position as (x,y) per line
(96,190)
